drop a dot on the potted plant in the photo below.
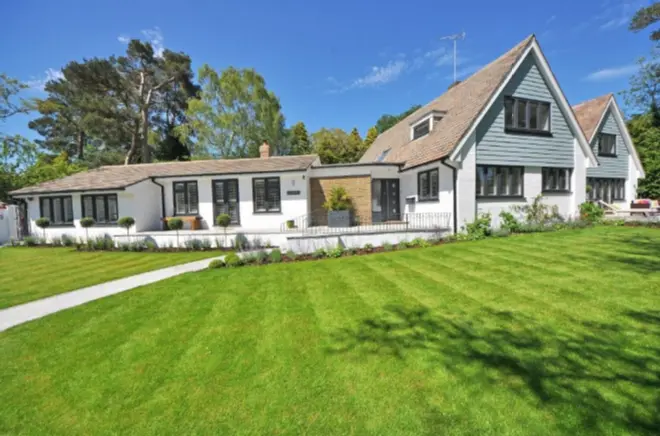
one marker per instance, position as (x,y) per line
(339,207)
(126,222)
(223,220)
(86,223)
(175,224)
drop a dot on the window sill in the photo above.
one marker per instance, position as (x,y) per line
(518,131)
(429,200)
(606,155)
(556,192)
(501,197)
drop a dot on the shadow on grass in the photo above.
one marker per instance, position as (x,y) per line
(638,252)
(608,375)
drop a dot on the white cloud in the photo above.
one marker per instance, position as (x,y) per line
(612,73)
(124,39)
(615,22)
(381,75)
(49,74)
(155,37)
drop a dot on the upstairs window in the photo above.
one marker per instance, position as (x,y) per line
(186,201)
(428,185)
(421,129)
(606,144)
(556,179)
(524,115)
(59,210)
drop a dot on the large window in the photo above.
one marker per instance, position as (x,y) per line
(102,207)
(266,195)
(607,190)
(186,201)
(526,115)
(427,185)
(556,179)
(606,144)
(59,210)
(495,181)
(421,129)
(225,199)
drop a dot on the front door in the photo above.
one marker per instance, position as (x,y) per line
(385,200)
(225,199)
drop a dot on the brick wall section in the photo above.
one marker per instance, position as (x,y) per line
(359,188)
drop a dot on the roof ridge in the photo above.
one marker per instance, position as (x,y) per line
(172,162)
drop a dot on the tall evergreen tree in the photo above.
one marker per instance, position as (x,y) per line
(355,148)
(372,134)
(299,139)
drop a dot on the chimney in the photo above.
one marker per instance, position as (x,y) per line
(264,150)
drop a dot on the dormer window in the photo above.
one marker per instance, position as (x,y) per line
(423,125)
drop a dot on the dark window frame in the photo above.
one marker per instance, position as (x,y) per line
(267,182)
(496,195)
(604,153)
(426,122)
(185,184)
(428,174)
(94,215)
(569,176)
(612,183)
(515,128)
(50,209)
(225,187)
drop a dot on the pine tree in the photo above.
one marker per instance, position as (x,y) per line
(355,148)
(372,134)
(300,143)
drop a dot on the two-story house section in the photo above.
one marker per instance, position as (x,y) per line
(614,181)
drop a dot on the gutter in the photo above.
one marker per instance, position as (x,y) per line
(455,183)
(162,198)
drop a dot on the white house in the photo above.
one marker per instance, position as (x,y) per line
(497,139)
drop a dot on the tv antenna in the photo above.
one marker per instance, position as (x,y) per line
(455,37)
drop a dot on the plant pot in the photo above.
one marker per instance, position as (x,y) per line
(339,218)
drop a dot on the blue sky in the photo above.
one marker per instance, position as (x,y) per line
(332,64)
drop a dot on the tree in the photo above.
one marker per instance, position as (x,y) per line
(234,114)
(386,121)
(147,77)
(9,88)
(372,134)
(126,222)
(299,140)
(355,148)
(644,18)
(645,133)
(223,220)
(43,223)
(86,223)
(48,167)
(175,224)
(330,145)
(16,154)
(644,86)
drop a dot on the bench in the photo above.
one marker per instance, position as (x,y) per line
(194,221)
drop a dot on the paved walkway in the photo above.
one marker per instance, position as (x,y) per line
(20,314)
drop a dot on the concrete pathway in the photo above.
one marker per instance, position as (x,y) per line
(20,314)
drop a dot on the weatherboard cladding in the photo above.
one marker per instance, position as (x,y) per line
(497,147)
(610,166)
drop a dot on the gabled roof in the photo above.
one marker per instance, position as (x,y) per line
(465,105)
(462,103)
(590,113)
(117,177)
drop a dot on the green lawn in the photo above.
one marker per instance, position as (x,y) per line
(28,274)
(544,334)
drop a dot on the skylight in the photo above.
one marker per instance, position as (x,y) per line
(383,155)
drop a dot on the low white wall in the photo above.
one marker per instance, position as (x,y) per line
(216,239)
(8,223)
(408,186)
(311,244)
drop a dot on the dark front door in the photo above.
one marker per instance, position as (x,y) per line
(385,200)
(225,199)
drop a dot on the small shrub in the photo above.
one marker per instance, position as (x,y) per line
(319,253)
(368,248)
(417,242)
(336,252)
(240,242)
(218,244)
(126,222)
(291,255)
(262,257)
(249,258)
(151,245)
(276,256)
(479,228)
(175,224)
(43,223)
(618,222)
(256,243)
(402,245)
(537,212)
(352,251)
(290,224)
(423,243)
(206,244)
(501,233)
(223,220)
(55,241)
(31,241)
(232,260)
(509,222)
(338,200)
(124,246)
(193,244)
(387,246)
(68,241)
(268,244)
(86,223)
(591,212)
(216,263)
(452,237)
